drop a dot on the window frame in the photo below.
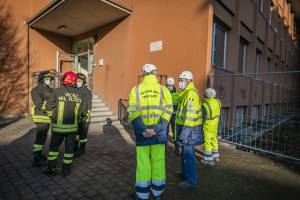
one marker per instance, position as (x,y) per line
(217,25)
(245,44)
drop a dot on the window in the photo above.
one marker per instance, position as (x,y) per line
(257,63)
(261,6)
(219,46)
(242,56)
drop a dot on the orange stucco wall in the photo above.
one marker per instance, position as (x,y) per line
(184,28)
(16,64)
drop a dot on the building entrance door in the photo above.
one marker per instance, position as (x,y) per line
(80,61)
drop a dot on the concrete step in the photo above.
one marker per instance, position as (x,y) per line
(102,114)
(95,105)
(97,109)
(102,119)
(95,96)
(97,101)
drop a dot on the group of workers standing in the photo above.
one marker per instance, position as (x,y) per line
(152,107)
(67,111)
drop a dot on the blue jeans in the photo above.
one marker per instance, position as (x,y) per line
(188,161)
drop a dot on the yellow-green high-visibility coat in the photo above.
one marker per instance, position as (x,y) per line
(212,109)
(189,116)
(150,106)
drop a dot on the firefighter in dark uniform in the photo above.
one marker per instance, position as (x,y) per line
(84,123)
(40,96)
(65,107)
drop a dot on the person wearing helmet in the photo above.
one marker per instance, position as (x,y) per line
(211,109)
(83,125)
(65,106)
(40,96)
(150,109)
(175,98)
(189,127)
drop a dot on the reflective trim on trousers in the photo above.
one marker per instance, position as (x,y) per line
(215,154)
(157,187)
(208,156)
(142,190)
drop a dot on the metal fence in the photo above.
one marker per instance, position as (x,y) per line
(122,111)
(267,131)
(256,119)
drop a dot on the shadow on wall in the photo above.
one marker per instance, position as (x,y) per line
(13,68)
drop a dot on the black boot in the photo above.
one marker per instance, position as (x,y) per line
(81,149)
(66,169)
(76,145)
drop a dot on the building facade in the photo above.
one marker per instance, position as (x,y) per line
(223,42)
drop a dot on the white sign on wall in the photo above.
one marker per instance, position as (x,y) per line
(156,46)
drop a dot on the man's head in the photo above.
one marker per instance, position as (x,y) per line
(210,93)
(170,83)
(81,80)
(185,78)
(149,69)
(46,77)
(69,78)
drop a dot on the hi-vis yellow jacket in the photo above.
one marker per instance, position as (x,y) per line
(150,106)
(189,116)
(40,96)
(212,111)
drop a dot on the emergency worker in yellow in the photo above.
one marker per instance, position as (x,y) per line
(65,106)
(211,109)
(175,97)
(188,127)
(150,109)
(40,96)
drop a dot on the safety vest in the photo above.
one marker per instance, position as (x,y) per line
(150,101)
(39,96)
(189,107)
(212,108)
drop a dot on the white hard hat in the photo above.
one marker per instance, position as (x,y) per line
(210,93)
(148,68)
(170,81)
(186,75)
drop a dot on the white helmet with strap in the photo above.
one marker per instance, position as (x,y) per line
(170,81)
(186,75)
(149,68)
(210,93)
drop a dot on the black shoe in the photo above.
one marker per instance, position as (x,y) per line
(50,172)
(66,169)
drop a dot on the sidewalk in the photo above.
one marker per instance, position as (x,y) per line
(107,171)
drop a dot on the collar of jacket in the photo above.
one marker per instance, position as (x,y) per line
(71,86)
(190,86)
(149,79)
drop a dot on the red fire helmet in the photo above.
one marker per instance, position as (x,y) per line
(69,78)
